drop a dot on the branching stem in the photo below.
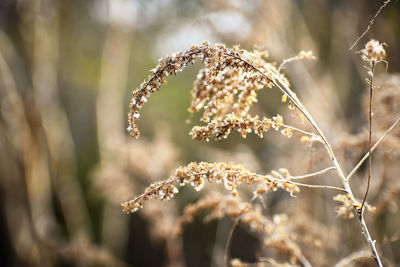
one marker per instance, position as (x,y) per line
(288,181)
(292,96)
(301,131)
(353,171)
(313,174)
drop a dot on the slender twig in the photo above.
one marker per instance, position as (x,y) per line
(284,62)
(372,21)
(353,171)
(288,60)
(269,177)
(371,89)
(304,261)
(302,131)
(229,242)
(367,236)
(316,186)
(313,174)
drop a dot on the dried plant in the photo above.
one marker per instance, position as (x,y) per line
(225,89)
(66,165)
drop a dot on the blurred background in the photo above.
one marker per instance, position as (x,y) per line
(67,70)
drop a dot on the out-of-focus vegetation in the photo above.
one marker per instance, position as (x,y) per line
(67,70)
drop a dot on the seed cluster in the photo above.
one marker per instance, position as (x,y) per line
(215,89)
(225,88)
(244,124)
(373,52)
(196,174)
(166,66)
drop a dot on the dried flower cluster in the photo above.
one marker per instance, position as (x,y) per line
(244,124)
(280,175)
(373,52)
(346,210)
(215,89)
(196,174)
(228,75)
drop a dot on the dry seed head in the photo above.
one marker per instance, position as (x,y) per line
(196,174)
(373,52)
(243,124)
(228,74)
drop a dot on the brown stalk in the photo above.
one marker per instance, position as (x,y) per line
(371,88)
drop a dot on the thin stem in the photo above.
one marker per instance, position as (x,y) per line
(284,62)
(304,261)
(367,236)
(265,177)
(229,242)
(371,89)
(288,60)
(317,186)
(313,174)
(370,24)
(353,171)
(301,131)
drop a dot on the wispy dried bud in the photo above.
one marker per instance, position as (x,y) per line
(373,51)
